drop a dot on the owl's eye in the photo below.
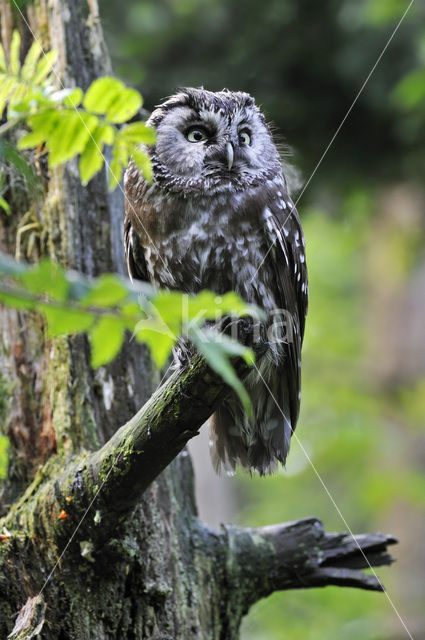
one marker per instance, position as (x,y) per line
(244,138)
(196,134)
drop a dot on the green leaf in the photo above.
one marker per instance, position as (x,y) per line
(68,97)
(9,154)
(106,133)
(70,135)
(4,446)
(14,56)
(126,105)
(31,140)
(170,308)
(16,299)
(5,90)
(160,345)
(74,98)
(16,97)
(107,291)
(232,347)
(30,62)
(209,306)
(143,163)
(175,308)
(203,306)
(91,160)
(111,97)
(119,160)
(46,278)
(158,337)
(139,133)
(134,135)
(106,339)
(65,321)
(4,205)
(18,104)
(132,310)
(233,304)
(42,124)
(216,350)
(44,67)
(131,314)
(101,94)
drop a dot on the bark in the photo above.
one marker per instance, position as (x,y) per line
(140,564)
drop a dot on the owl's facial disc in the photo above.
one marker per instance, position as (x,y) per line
(207,141)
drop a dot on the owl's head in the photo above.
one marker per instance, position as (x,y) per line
(209,142)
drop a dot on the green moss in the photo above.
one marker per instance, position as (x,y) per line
(57,385)
(53,217)
(6,389)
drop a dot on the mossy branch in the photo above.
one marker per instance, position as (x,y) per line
(113,479)
(146,445)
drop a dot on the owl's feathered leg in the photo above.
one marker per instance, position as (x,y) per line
(261,442)
(227,446)
(258,443)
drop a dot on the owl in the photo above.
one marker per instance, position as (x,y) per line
(217,215)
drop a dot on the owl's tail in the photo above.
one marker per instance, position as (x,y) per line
(259,443)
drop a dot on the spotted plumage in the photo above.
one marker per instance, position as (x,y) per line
(218,216)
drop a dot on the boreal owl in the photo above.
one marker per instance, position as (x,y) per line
(218,216)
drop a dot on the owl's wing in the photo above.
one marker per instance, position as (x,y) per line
(287,256)
(136,263)
(134,190)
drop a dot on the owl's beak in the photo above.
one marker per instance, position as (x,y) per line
(230,155)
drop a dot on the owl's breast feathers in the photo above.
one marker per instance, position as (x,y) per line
(249,242)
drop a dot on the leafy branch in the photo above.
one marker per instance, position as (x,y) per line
(108,306)
(69,122)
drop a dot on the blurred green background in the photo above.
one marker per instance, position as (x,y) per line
(363,411)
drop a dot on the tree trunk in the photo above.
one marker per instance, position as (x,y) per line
(95,544)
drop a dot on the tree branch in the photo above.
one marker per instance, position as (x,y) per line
(299,555)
